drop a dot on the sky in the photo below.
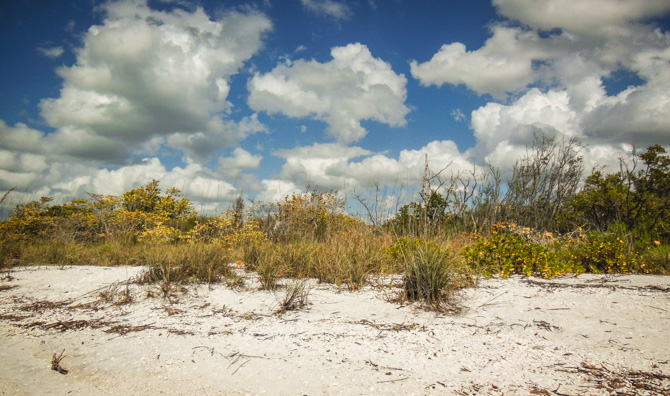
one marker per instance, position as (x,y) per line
(261,98)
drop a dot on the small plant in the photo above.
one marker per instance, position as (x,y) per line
(116,296)
(296,296)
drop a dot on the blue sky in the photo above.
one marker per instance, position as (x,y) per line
(261,98)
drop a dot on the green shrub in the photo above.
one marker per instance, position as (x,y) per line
(506,254)
(600,252)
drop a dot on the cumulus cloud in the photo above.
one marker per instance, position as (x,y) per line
(352,87)
(330,8)
(67,180)
(343,168)
(241,159)
(533,113)
(144,73)
(639,114)
(548,75)
(592,18)
(199,146)
(143,79)
(311,164)
(20,137)
(504,64)
(274,190)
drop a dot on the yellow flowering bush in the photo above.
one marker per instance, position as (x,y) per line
(315,215)
(226,230)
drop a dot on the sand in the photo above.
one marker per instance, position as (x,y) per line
(586,335)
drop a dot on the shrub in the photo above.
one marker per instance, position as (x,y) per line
(509,251)
(315,215)
(295,296)
(600,252)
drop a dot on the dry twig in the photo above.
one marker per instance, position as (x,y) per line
(55,363)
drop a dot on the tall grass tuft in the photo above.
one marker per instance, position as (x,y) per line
(261,257)
(296,296)
(432,274)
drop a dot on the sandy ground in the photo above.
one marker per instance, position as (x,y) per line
(585,335)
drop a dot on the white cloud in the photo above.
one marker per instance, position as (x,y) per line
(199,146)
(338,167)
(640,114)
(352,87)
(276,190)
(330,8)
(51,52)
(535,112)
(240,160)
(20,137)
(310,164)
(591,18)
(549,76)
(503,64)
(144,73)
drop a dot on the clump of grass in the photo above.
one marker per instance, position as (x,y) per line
(296,296)
(261,257)
(116,295)
(432,274)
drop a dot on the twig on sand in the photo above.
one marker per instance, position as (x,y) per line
(491,299)
(55,363)
(240,366)
(394,380)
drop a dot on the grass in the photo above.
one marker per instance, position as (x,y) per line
(296,296)
(433,273)
(657,259)
(305,237)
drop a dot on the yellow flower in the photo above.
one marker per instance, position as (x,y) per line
(657,243)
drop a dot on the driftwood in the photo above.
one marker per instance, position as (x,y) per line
(55,363)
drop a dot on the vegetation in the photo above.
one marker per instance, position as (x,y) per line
(547,222)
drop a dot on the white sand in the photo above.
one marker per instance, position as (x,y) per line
(515,336)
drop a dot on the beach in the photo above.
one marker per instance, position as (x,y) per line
(591,334)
